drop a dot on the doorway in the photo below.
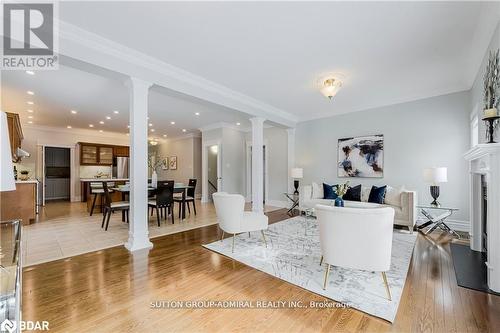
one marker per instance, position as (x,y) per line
(212,170)
(249,173)
(57,173)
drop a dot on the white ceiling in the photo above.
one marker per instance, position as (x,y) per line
(96,96)
(390,52)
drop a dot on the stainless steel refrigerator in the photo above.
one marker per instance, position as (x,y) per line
(121,167)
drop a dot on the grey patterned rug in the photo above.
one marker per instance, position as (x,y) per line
(293,254)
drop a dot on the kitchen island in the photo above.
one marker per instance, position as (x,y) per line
(20,203)
(89,198)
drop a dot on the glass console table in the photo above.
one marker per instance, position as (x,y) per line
(436,217)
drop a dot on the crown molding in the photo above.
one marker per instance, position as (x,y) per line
(75,131)
(89,47)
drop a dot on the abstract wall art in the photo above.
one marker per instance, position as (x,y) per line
(361,156)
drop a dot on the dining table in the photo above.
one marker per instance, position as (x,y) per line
(178,188)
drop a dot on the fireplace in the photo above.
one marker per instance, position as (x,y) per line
(484,187)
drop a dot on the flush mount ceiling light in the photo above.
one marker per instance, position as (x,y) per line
(330,84)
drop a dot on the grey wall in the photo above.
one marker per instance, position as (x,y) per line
(476,101)
(419,134)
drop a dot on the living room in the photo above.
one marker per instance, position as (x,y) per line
(347,173)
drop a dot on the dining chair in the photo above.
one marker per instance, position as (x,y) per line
(96,190)
(190,195)
(164,201)
(110,206)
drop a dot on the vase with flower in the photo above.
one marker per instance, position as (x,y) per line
(341,190)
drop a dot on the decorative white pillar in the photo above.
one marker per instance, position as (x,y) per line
(257,164)
(138,235)
(291,157)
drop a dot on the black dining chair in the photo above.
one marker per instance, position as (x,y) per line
(164,201)
(190,195)
(96,190)
(110,206)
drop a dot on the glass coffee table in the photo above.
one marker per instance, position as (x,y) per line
(294,198)
(436,217)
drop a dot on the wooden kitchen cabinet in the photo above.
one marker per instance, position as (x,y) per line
(105,155)
(88,155)
(15,134)
(100,154)
(121,151)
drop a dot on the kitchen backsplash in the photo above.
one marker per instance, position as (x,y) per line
(89,171)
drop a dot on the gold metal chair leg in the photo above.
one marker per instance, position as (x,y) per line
(234,236)
(387,286)
(264,237)
(222,236)
(321,261)
(326,275)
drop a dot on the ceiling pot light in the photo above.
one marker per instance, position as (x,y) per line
(330,84)
(152,130)
(238,124)
(91,125)
(172,122)
(101,122)
(30,102)
(74,111)
(197,114)
(30,122)
(30,72)
(30,117)
(30,111)
(184,130)
(100,131)
(116,112)
(153,143)
(108,117)
(164,135)
(150,124)
(69,126)
(29,92)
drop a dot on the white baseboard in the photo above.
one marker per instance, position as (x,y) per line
(458,225)
(277,203)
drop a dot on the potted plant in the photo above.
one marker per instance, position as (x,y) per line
(491,96)
(25,175)
(154,162)
(341,190)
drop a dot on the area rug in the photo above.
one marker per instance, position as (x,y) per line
(293,254)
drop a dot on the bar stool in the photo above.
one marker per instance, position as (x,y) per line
(96,189)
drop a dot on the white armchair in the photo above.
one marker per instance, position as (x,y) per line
(356,238)
(233,219)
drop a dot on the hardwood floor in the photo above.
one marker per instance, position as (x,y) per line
(111,291)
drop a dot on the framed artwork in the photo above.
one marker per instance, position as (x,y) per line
(361,156)
(164,164)
(172,162)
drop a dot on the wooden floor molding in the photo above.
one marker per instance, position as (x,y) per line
(111,291)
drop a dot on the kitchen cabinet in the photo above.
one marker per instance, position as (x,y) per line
(15,134)
(106,155)
(121,151)
(88,154)
(19,204)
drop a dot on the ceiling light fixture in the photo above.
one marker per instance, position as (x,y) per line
(330,84)
(152,130)
(100,131)
(30,122)
(153,143)
(91,125)
(30,102)
(164,135)
(74,111)
(30,111)
(108,117)
(172,122)
(197,114)
(30,117)
(128,126)
(30,72)
(116,112)
(29,92)
(69,126)
(238,124)
(101,122)
(150,124)
(184,130)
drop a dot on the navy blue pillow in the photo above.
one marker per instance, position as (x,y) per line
(353,194)
(329,192)
(377,194)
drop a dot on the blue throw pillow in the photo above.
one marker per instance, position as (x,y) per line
(377,194)
(329,191)
(353,194)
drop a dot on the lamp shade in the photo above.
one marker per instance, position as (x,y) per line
(296,173)
(436,175)
(7,182)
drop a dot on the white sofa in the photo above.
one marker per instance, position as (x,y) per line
(404,202)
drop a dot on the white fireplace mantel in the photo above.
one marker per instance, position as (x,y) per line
(484,160)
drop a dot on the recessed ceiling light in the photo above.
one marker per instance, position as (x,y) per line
(29,92)
(68,126)
(148,118)
(30,102)
(172,122)
(30,117)
(150,124)
(128,126)
(197,114)
(184,130)
(101,122)
(108,117)
(74,111)
(91,125)
(30,111)
(238,124)
(164,135)
(128,134)
(100,131)
(30,122)
(30,72)
(152,130)
(116,112)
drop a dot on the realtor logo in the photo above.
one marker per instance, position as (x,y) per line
(8,326)
(29,36)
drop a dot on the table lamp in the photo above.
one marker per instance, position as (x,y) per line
(296,173)
(435,176)
(7,182)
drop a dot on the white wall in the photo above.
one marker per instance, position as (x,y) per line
(188,152)
(419,134)
(233,161)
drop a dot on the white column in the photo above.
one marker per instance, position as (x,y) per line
(257,164)
(138,235)
(291,157)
